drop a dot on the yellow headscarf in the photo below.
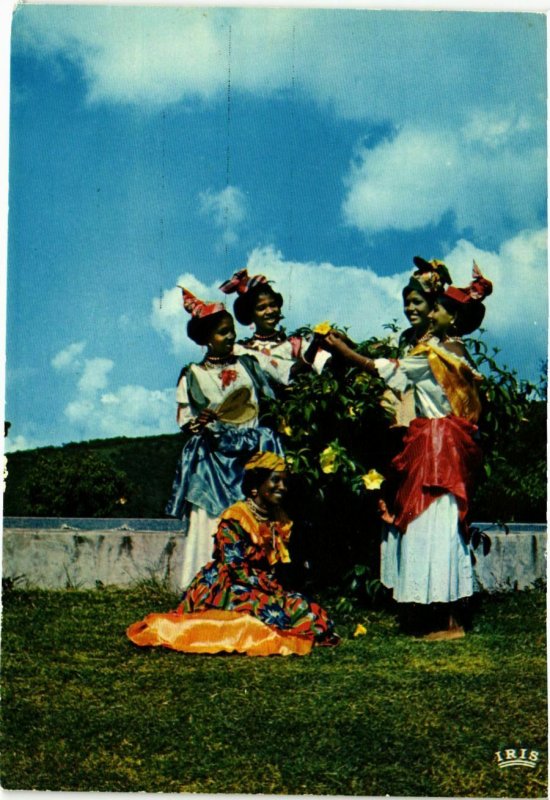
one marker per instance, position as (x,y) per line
(266,460)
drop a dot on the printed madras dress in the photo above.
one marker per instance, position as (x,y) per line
(425,556)
(235,603)
(210,471)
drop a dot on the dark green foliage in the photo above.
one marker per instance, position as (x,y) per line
(63,484)
(85,710)
(148,464)
(513,437)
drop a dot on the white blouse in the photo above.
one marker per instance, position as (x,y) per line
(415,372)
(281,354)
(217,381)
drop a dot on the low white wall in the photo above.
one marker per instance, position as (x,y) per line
(63,554)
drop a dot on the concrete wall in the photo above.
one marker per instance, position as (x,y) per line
(83,554)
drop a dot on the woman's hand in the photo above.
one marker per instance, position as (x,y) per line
(335,343)
(206,416)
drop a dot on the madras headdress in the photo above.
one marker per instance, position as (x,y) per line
(242,282)
(266,460)
(198,308)
(430,277)
(478,290)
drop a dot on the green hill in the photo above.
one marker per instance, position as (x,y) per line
(148,462)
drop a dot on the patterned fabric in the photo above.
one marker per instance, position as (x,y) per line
(240,578)
(235,604)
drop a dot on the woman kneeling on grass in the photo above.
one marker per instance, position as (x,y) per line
(235,603)
(436,467)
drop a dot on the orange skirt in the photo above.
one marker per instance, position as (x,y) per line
(216,631)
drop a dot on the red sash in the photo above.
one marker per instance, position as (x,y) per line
(439,456)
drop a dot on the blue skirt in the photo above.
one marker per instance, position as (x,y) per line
(211,468)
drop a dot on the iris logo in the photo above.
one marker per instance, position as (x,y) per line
(517,757)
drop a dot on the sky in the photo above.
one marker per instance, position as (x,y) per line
(157,146)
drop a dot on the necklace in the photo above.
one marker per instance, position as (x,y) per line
(266,337)
(218,361)
(257,512)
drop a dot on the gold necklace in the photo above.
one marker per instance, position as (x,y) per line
(257,512)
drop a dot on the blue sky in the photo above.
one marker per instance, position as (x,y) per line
(352,141)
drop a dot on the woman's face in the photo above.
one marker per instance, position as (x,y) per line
(266,314)
(272,491)
(222,338)
(417,310)
(440,320)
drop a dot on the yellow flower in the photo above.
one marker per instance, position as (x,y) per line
(328,460)
(351,412)
(122,501)
(284,428)
(372,480)
(322,328)
(360,631)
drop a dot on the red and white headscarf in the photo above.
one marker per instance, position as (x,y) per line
(242,282)
(478,290)
(199,308)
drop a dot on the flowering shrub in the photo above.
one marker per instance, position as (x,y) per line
(339,443)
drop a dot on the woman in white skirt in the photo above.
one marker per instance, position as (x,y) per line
(439,459)
(219,403)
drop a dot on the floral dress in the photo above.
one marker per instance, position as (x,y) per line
(235,603)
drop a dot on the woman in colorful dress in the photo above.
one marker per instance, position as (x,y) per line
(439,459)
(235,603)
(258,304)
(219,403)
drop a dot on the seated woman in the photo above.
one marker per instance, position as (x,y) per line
(439,459)
(219,405)
(235,603)
(258,304)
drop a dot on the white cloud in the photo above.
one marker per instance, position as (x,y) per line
(516,317)
(469,124)
(362,64)
(94,375)
(347,295)
(411,181)
(21,442)
(227,209)
(170,319)
(68,358)
(99,411)
(362,301)
(126,411)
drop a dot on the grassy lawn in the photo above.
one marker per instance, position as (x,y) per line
(85,710)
